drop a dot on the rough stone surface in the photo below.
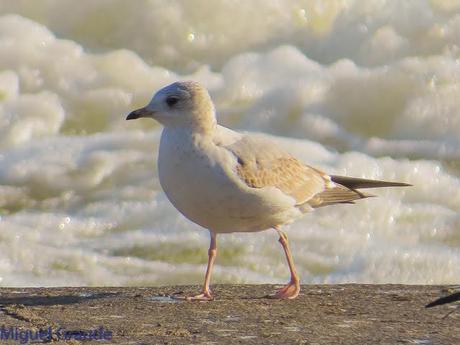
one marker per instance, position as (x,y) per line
(240,314)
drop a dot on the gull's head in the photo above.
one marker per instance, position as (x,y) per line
(181,104)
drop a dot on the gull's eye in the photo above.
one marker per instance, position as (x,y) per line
(171,100)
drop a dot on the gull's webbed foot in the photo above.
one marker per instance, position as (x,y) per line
(204,296)
(290,291)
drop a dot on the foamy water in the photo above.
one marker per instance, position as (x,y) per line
(362,88)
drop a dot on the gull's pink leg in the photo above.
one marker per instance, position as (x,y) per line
(292,289)
(205,295)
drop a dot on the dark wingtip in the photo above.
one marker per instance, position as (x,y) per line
(398,184)
(357,183)
(444,300)
(403,184)
(432,304)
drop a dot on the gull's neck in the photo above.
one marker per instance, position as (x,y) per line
(192,131)
(205,125)
(203,120)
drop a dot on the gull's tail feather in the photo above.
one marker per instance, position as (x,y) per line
(356,183)
(337,195)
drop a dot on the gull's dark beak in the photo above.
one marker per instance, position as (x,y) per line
(138,113)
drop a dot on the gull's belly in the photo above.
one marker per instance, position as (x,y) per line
(203,194)
(204,189)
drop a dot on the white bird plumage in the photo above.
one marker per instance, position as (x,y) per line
(228,181)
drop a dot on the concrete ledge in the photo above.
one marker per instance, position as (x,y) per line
(322,314)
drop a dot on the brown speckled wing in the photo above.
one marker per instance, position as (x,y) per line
(261,164)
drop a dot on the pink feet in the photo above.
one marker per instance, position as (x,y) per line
(290,291)
(204,296)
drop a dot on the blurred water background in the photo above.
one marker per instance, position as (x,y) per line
(367,88)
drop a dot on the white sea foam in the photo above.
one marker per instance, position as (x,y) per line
(347,84)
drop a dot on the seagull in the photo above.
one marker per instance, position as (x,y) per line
(226,181)
(449,295)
